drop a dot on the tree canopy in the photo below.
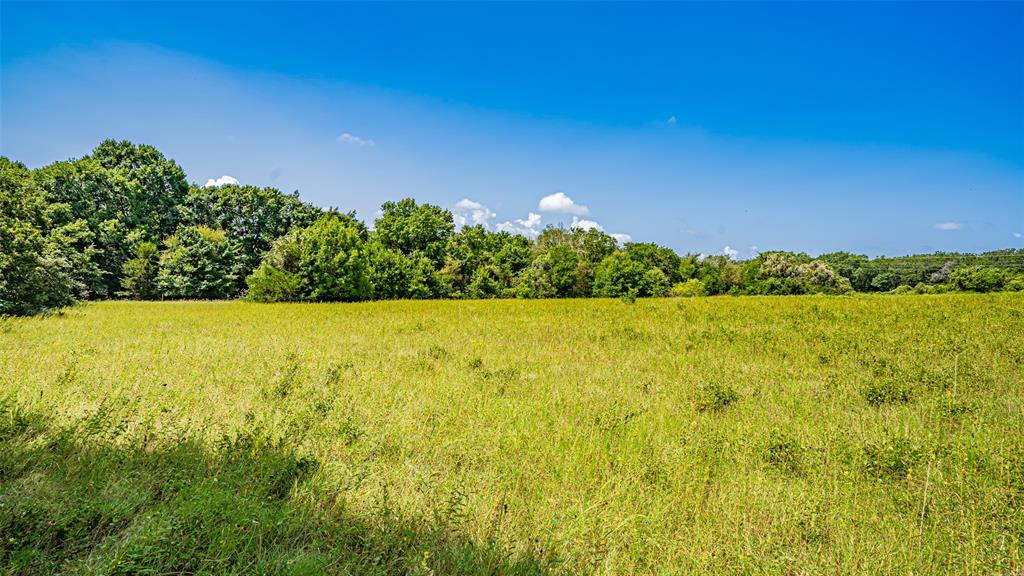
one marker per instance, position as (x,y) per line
(123,221)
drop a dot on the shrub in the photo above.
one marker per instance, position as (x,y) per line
(620,275)
(689,288)
(390,272)
(487,283)
(327,261)
(140,272)
(656,282)
(978,278)
(270,284)
(1015,283)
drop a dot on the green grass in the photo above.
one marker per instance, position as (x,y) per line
(771,435)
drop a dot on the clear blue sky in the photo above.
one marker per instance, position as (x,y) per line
(878,128)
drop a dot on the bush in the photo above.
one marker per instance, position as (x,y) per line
(1015,283)
(140,272)
(327,261)
(487,283)
(620,275)
(656,282)
(979,278)
(689,288)
(270,284)
(390,272)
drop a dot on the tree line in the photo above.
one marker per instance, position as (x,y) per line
(124,222)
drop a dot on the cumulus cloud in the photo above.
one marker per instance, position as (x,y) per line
(946,226)
(582,224)
(1016,234)
(730,252)
(349,138)
(529,226)
(222,181)
(468,211)
(671,120)
(585,224)
(561,203)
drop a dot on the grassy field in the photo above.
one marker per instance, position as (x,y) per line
(796,435)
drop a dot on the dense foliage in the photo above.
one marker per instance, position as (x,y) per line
(124,222)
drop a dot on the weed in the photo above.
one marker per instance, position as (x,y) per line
(783,451)
(891,458)
(888,391)
(435,352)
(288,379)
(715,396)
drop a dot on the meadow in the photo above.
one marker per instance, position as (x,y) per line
(761,435)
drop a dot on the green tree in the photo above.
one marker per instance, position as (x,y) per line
(979,278)
(619,275)
(139,278)
(654,256)
(327,261)
(33,277)
(123,194)
(253,217)
(198,262)
(150,189)
(409,228)
(390,272)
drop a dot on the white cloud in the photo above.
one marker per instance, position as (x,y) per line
(349,138)
(671,120)
(532,220)
(585,224)
(948,226)
(222,181)
(1016,234)
(559,202)
(582,224)
(529,227)
(730,252)
(470,211)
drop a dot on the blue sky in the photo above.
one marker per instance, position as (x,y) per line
(877,128)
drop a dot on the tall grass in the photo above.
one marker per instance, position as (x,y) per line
(754,434)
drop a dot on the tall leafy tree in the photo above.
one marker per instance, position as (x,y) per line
(251,216)
(200,263)
(33,276)
(411,228)
(150,188)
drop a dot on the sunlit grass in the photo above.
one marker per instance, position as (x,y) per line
(751,434)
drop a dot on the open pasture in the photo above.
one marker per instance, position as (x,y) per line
(797,435)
